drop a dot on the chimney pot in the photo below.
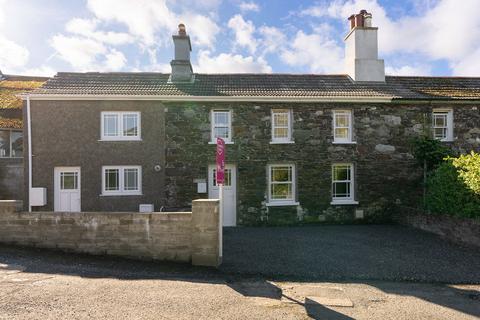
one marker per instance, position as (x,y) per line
(352,21)
(182,31)
(359,20)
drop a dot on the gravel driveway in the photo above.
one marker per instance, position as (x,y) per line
(356,252)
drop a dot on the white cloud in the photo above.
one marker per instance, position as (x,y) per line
(317,51)
(203,30)
(12,55)
(230,63)
(447,29)
(243,33)
(272,39)
(407,70)
(88,28)
(43,71)
(468,66)
(248,6)
(87,54)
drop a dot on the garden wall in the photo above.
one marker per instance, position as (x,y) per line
(173,236)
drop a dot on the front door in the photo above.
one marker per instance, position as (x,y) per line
(67,189)
(229,193)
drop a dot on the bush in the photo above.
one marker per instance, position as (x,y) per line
(429,152)
(453,188)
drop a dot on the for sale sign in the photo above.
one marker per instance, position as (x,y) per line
(220,161)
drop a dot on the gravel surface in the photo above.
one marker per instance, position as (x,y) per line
(356,252)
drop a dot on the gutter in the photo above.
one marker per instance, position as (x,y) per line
(352,99)
(29,132)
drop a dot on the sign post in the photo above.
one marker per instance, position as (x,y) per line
(220,179)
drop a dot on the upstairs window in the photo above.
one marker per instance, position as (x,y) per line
(121,180)
(342,184)
(11,143)
(342,126)
(221,125)
(281,126)
(442,124)
(120,125)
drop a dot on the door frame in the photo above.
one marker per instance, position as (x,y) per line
(233,167)
(56,185)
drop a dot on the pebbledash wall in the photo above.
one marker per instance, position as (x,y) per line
(385,171)
(176,236)
(176,136)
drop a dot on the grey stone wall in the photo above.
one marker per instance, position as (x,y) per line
(385,170)
(177,236)
(466,231)
(11,179)
(67,133)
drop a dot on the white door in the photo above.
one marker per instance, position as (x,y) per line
(229,193)
(67,189)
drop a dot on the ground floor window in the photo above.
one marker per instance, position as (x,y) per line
(281,183)
(121,180)
(11,143)
(342,183)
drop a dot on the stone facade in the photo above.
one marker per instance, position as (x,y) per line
(176,136)
(385,171)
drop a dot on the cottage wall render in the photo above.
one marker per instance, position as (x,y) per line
(385,171)
(67,133)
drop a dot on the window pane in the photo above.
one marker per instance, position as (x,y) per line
(281,174)
(111,180)
(4,143)
(440,120)
(69,180)
(341,133)
(130,125)
(131,179)
(17,143)
(281,191)
(342,120)
(280,119)
(221,132)
(221,118)
(440,133)
(280,132)
(110,125)
(341,190)
(228,177)
(341,173)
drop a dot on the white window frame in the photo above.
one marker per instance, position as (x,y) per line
(10,156)
(282,202)
(121,178)
(449,127)
(349,138)
(287,139)
(351,198)
(213,139)
(120,136)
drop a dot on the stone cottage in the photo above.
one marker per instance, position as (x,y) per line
(300,147)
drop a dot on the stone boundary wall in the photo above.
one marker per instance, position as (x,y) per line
(466,231)
(173,236)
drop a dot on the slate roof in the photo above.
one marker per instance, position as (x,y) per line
(260,85)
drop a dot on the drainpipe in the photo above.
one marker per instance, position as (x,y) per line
(29,133)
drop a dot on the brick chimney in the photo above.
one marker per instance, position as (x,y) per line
(181,67)
(361,49)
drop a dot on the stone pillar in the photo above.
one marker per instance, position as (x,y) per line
(205,233)
(10,206)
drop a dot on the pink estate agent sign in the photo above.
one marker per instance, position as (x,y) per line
(220,161)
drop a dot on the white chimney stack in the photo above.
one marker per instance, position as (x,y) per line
(361,50)
(181,67)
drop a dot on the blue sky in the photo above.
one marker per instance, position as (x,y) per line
(416,37)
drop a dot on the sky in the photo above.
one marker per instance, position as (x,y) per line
(416,37)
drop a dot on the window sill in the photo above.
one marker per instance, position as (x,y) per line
(282,203)
(11,157)
(282,142)
(343,202)
(344,142)
(215,142)
(121,194)
(135,139)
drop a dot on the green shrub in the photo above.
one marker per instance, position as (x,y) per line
(452,188)
(429,152)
